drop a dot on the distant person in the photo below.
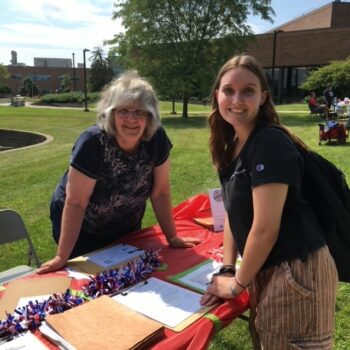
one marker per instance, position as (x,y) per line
(115,167)
(343,107)
(328,96)
(286,265)
(316,107)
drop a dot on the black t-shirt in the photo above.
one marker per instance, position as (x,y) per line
(124,181)
(270,156)
(329,96)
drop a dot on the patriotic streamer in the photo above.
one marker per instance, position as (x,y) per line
(109,282)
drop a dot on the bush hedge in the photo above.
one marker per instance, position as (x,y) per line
(5,89)
(69,97)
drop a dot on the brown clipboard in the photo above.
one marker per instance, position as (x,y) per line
(104,323)
(193,318)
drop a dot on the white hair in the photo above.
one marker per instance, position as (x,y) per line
(129,88)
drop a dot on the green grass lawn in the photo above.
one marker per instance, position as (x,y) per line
(29,176)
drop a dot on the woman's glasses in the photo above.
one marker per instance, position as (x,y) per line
(134,113)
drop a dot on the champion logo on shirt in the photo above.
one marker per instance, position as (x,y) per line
(260,167)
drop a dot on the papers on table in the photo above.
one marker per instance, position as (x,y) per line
(24,341)
(47,331)
(217,208)
(199,276)
(75,274)
(103,323)
(115,255)
(161,301)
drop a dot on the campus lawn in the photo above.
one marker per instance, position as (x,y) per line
(28,177)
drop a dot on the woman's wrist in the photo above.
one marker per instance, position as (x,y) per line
(172,239)
(236,287)
(241,284)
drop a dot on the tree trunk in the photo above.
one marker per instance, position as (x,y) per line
(185,106)
(173,111)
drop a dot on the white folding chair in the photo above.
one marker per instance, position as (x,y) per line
(12,228)
(342,111)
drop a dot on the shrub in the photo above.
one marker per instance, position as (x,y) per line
(5,89)
(69,97)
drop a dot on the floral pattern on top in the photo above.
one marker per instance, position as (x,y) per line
(123,182)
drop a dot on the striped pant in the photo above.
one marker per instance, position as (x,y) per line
(292,305)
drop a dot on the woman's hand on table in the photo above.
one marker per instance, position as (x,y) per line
(220,287)
(52,265)
(183,242)
(209,299)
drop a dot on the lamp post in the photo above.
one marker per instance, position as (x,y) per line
(85,87)
(273,62)
(274,59)
(74,81)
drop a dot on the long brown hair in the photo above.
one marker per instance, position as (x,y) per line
(221,141)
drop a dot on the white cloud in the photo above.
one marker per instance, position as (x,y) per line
(46,28)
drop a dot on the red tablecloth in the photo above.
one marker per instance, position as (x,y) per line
(198,335)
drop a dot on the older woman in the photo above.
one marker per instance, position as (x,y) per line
(115,167)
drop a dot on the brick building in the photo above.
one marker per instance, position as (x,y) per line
(289,51)
(47,79)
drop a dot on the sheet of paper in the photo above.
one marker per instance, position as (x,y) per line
(199,276)
(46,330)
(75,274)
(24,341)
(115,255)
(217,208)
(162,301)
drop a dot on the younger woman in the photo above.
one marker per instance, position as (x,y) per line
(286,266)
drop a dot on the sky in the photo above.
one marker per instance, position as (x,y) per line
(57,29)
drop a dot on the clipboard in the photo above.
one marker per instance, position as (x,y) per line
(104,323)
(188,321)
(172,305)
(198,276)
(87,265)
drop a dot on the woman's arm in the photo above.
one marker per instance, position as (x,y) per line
(230,249)
(230,257)
(268,203)
(161,203)
(78,191)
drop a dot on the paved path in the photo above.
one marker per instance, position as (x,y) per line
(30,104)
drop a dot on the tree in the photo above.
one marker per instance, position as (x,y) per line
(101,72)
(28,88)
(180,44)
(65,83)
(336,73)
(4,74)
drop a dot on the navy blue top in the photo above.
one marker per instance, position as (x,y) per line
(123,181)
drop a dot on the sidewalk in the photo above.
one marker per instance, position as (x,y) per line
(30,104)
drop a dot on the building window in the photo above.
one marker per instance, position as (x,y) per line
(16,76)
(41,77)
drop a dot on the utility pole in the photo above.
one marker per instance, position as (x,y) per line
(85,86)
